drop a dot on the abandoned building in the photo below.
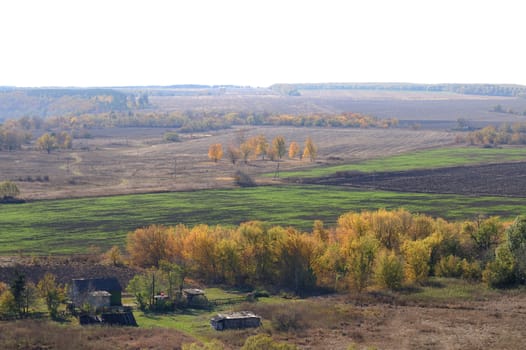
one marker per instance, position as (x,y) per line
(97,292)
(194,296)
(235,320)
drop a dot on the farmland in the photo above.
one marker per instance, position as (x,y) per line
(70,226)
(81,201)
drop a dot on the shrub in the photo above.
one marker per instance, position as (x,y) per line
(213,345)
(417,255)
(449,266)
(389,270)
(243,180)
(502,271)
(265,342)
(287,319)
(471,271)
(172,137)
(8,305)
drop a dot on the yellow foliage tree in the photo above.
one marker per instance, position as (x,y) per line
(294,149)
(47,142)
(360,261)
(215,152)
(278,145)
(417,255)
(149,245)
(310,151)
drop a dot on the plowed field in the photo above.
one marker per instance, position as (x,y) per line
(503,179)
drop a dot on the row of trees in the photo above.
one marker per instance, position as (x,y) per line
(258,146)
(387,248)
(13,136)
(19,297)
(191,121)
(505,134)
(50,141)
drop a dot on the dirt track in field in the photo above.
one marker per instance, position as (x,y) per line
(503,179)
(134,160)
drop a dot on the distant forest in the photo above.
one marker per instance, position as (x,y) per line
(467,89)
(56,102)
(45,102)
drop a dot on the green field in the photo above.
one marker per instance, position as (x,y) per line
(72,225)
(429,159)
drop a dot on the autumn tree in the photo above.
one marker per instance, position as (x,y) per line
(262,146)
(245,151)
(114,256)
(233,153)
(215,152)
(298,252)
(47,142)
(149,245)
(279,147)
(516,239)
(310,151)
(64,140)
(360,261)
(389,270)
(417,255)
(294,149)
(52,293)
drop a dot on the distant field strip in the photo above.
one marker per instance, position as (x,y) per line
(435,158)
(72,225)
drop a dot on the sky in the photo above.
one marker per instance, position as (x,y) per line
(260,42)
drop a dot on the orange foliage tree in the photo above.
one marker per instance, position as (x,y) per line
(148,246)
(215,152)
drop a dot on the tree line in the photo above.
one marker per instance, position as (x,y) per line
(259,147)
(192,121)
(388,249)
(505,134)
(21,296)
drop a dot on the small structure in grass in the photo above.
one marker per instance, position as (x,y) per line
(195,297)
(235,320)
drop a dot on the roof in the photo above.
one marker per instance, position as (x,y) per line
(236,315)
(194,291)
(94,284)
(100,293)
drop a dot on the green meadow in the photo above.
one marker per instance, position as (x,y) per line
(73,225)
(428,159)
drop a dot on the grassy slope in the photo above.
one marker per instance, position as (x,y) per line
(69,226)
(436,158)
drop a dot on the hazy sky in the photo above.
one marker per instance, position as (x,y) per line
(258,43)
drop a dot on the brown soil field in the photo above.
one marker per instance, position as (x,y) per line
(503,179)
(437,110)
(137,160)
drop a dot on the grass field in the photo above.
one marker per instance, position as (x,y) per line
(70,226)
(434,158)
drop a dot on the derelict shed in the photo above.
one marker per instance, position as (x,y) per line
(82,290)
(235,320)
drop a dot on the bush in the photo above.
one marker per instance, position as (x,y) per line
(243,180)
(389,271)
(287,319)
(471,270)
(449,266)
(171,137)
(502,271)
(265,342)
